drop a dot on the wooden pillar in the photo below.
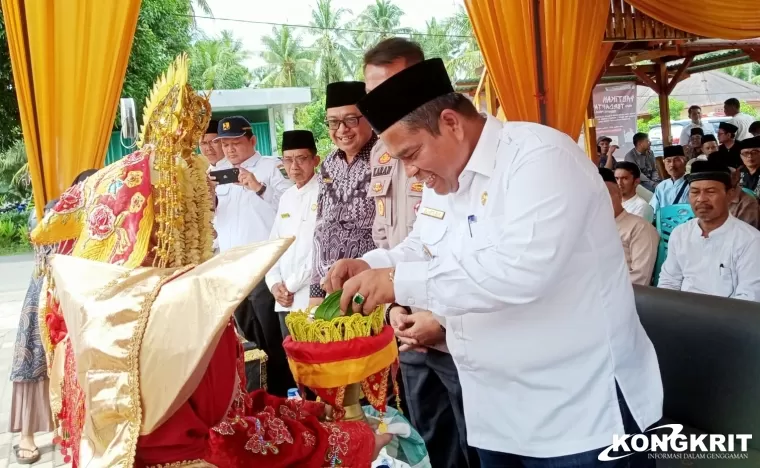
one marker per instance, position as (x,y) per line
(662,93)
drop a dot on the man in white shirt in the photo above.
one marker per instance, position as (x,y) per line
(245,214)
(289,278)
(674,190)
(739,119)
(628,178)
(639,238)
(210,146)
(714,253)
(211,149)
(695,114)
(540,314)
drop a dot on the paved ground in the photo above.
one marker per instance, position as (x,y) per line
(14,279)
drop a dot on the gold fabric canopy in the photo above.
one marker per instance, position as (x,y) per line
(69,60)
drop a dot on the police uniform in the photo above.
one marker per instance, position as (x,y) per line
(548,374)
(244,217)
(396,196)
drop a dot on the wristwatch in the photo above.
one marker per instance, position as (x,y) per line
(261,191)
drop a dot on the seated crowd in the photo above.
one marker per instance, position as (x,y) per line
(714,183)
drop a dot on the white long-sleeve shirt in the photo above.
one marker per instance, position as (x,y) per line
(242,217)
(742,121)
(296,217)
(726,264)
(540,314)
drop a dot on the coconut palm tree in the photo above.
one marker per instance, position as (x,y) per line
(15,181)
(288,63)
(467,57)
(218,63)
(379,21)
(435,41)
(332,57)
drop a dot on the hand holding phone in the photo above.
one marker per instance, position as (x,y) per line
(225,176)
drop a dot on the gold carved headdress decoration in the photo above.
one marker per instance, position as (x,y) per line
(175,118)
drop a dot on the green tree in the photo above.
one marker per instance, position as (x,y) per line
(676,108)
(15,183)
(218,63)
(163,32)
(289,64)
(748,109)
(467,57)
(332,57)
(436,43)
(312,117)
(379,21)
(10,126)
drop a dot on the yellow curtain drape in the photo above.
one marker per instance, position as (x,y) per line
(737,19)
(69,60)
(571,49)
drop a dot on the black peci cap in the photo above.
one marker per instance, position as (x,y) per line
(298,139)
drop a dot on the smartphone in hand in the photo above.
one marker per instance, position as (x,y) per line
(226,176)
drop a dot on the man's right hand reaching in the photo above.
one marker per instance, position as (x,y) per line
(342,271)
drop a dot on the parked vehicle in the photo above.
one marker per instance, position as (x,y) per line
(676,127)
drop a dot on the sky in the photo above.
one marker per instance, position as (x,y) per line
(299,12)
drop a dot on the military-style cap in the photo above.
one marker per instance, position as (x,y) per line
(344,93)
(233,127)
(727,127)
(749,143)
(697,131)
(404,93)
(708,138)
(672,151)
(213,126)
(710,170)
(298,139)
(603,138)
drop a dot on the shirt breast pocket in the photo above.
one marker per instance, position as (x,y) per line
(223,193)
(432,234)
(725,280)
(379,190)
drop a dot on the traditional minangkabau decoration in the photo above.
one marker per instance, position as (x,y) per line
(343,358)
(151,208)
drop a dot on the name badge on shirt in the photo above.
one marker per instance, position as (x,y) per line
(285,215)
(433,213)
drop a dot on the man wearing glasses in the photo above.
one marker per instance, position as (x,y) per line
(296,216)
(345,214)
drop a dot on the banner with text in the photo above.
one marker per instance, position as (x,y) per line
(615,112)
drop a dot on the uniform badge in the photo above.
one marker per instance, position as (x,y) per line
(385,158)
(417,207)
(377,187)
(380,207)
(327,180)
(283,171)
(417,187)
(225,126)
(285,215)
(484,198)
(314,207)
(433,213)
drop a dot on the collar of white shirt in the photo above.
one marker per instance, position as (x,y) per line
(483,159)
(308,185)
(724,229)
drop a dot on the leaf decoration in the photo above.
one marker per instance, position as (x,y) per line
(329,309)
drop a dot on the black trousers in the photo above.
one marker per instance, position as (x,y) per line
(434,397)
(259,323)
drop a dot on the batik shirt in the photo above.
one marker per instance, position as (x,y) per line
(344,212)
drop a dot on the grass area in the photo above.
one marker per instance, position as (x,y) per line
(15,249)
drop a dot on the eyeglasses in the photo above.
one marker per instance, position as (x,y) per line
(349,122)
(300,160)
(750,153)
